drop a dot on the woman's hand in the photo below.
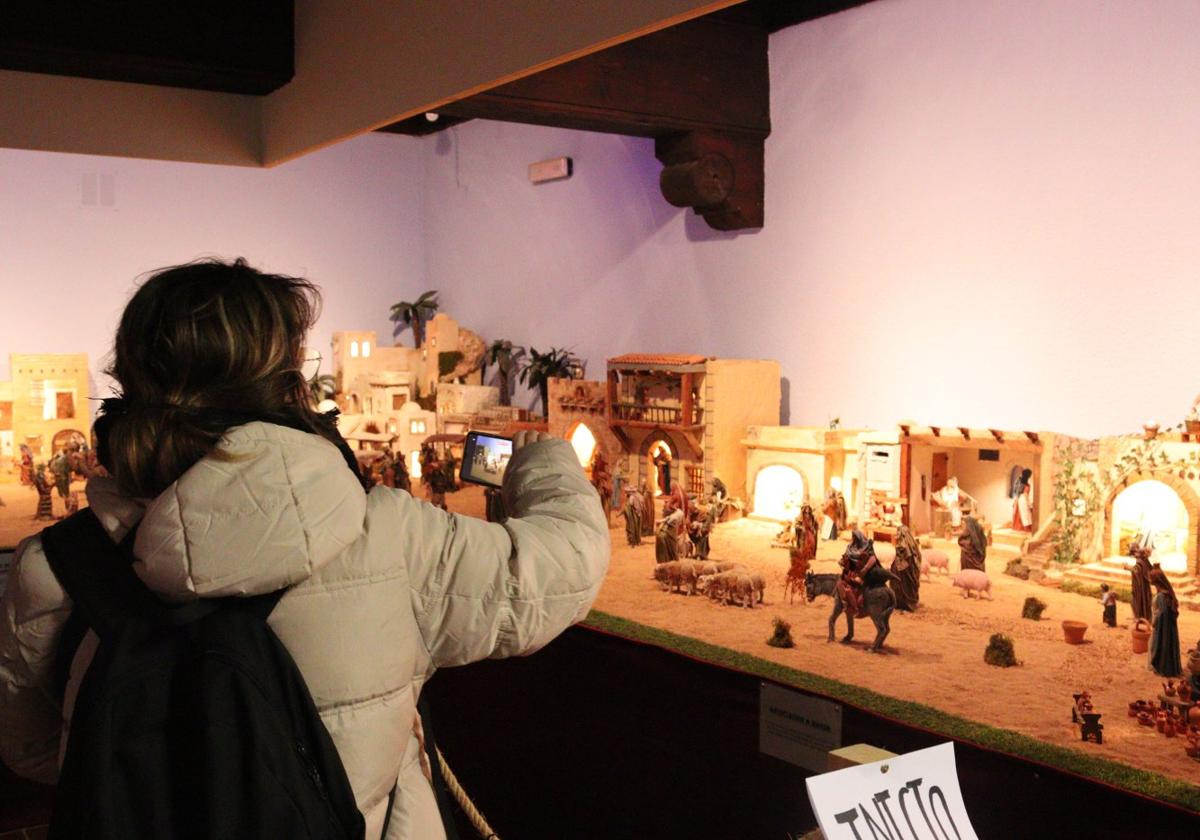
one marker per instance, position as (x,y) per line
(526,437)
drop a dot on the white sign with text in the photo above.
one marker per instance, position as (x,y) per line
(915,795)
(797,728)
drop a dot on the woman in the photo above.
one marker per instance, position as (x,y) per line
(238,487)
(632,511)
(972,544)
(1164,640)
(907,569)
(1022,503)
(1139,573)
(805,529)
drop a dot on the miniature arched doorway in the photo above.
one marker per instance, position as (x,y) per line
(778,492)
(661,473)
(1162,506)
(583,441)
(66,438)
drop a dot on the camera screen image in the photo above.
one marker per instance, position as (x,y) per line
(490,458)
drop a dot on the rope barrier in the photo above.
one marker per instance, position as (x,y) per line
(460,796)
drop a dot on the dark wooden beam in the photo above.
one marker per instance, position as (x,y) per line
(221,45)
(420,125)
(700,89)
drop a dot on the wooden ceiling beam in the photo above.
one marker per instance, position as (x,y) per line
(700,89)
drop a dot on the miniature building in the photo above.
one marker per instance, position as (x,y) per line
(6,423)
(693,409)
(986,463)
(402,431)
(786,465)
(45,406)
(373,379)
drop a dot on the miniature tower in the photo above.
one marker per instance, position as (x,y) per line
(352,352)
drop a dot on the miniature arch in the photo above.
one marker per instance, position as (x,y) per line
(1186,493)
(63,439)
(657,436)
(777,510)
(585,441)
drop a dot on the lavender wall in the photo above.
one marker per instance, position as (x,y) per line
(977,213)
(347,217)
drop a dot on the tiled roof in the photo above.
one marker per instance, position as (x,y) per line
(658,359)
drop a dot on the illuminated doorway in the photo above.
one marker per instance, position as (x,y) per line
(662,459)
(583,442)
(1152,508)
(778,492)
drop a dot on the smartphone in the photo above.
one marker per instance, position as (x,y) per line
(485,457)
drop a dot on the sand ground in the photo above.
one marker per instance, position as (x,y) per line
(935,656)
(18,503)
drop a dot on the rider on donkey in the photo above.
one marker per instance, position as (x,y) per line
(860,570)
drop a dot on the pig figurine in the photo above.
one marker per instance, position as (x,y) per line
(973,580)
(933,558)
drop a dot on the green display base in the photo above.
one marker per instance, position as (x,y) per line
(1152,785)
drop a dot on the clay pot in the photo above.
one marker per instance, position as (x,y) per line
(1134,708)
(1185,691)
(1073,631)
(1145,719)
(1160,722)
(1193,661)
(1169,688)
(1139,635)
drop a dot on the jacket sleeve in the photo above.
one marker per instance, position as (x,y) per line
(32,614)
(485,590)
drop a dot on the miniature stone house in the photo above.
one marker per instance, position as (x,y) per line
(45,406)
(693,407)
(578,414)
(787,465)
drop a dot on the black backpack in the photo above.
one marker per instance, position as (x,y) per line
(191,721)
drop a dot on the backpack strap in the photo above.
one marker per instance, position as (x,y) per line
(95,572)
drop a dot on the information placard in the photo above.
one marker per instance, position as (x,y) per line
(797,728)
(915,795)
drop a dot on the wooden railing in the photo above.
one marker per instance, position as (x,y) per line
(660,415)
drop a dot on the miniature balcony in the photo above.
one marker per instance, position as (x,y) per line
(639,414)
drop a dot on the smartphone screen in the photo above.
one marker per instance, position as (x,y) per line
(485,457)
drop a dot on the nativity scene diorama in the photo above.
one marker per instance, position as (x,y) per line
(944,551)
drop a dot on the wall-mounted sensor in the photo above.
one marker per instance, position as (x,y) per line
(551,170)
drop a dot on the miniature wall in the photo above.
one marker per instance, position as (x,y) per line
(573,402)
(78,230)
(977,213)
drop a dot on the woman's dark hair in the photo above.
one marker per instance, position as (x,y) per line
(198,345)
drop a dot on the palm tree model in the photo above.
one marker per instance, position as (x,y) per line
(415,313)
(323,387)
(542,367)
(506,357)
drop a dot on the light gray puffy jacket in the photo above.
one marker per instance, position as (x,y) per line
(385,590)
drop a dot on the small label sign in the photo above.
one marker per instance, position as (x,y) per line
(796,728)
(915,795)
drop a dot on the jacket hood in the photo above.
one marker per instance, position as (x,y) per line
(268,509)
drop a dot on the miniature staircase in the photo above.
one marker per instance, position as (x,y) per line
(1115,572)
(1009,540)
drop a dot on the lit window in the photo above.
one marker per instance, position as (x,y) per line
(416,427)
(366,349)
(353,349)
